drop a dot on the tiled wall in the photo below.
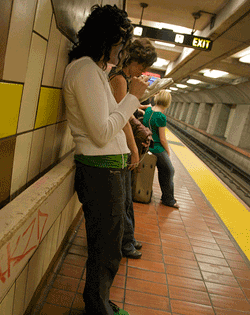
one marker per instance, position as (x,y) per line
(37,198)
(33,131)
(33,233)
(34,141)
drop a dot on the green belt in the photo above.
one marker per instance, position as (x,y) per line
(103,161)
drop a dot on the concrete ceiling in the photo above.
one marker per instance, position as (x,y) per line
(230,33)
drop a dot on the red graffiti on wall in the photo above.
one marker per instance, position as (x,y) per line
(13,260)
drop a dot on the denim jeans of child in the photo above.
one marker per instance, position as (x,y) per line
(166,178)
(129,219)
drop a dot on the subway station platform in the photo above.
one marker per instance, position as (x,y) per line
(193,262)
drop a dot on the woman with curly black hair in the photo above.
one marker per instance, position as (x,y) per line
(141,55)
(96,121)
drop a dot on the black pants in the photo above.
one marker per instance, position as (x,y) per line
(101,191)
(128,240)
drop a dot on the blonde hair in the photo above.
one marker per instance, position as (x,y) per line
(163,98)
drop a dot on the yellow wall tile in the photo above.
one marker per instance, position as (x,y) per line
(47,107)
(10,104)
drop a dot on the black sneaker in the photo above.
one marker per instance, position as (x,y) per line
(138,245)
(134,254)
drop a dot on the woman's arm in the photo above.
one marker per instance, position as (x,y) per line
(89,89)
(132,146)
(119,89)
(163,139)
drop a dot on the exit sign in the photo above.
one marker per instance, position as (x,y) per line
(178,39)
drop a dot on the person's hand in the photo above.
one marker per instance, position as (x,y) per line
(134,160)
(138,86)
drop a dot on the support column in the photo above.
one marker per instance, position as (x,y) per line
(218,120)
(178,110)
(202,117)
(184,111)
(239,133)
(192,112)
(172,109)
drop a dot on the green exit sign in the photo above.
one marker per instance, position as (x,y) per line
(178,39)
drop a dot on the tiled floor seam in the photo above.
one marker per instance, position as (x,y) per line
(125,284)
(165,268)
(203,280)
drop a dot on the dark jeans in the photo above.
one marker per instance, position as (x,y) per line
(101,191)
(166,178)
(129,219)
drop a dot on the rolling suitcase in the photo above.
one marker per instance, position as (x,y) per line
(142,181)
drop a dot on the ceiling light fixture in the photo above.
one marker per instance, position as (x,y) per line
(173,88)
(214,73)
(160,62)
(138,31)
(182,86)
(245,59)
(193,81)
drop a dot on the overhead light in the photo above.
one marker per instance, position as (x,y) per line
(138,31)
(193,81)
(168,90)
(214,73)
(164,44)
(182,86)
(160,62)
(173,88)
(245,59)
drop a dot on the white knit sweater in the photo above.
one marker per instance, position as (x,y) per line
(94,117)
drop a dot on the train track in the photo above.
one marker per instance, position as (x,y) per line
(234,177)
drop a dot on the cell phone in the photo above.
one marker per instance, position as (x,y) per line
(151,80)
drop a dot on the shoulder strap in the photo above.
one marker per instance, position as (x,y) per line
(150,119)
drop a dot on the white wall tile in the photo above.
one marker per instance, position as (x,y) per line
(59,132)
(48,241)
(20,289)
(21,160)
(60,234)
(55,231)
(51,55)
(35,272)
(67,137)
(63,60)
(36,153)
(18,46)
(32,84)
(43,18)
(6,306)
(48,147)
